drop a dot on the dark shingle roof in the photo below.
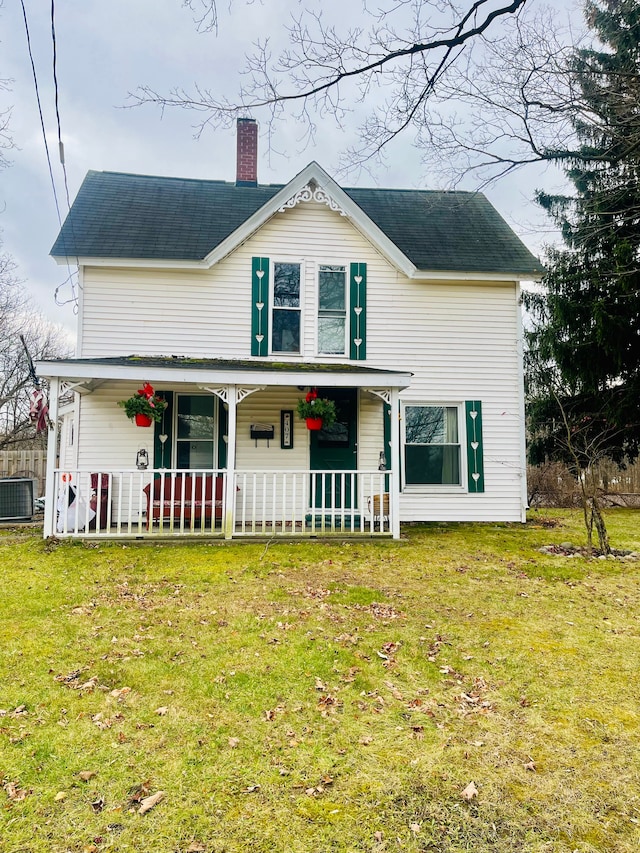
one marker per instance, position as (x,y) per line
(117,215)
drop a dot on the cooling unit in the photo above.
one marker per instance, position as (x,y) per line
(16,498)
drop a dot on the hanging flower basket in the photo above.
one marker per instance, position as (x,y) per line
(318,412)
(145,406)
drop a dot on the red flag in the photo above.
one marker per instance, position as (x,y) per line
(39,410)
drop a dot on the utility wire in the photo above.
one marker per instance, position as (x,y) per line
(69,278)
(74,297)
(55,87)
(44,133)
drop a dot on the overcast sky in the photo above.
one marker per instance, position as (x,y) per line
(104,51)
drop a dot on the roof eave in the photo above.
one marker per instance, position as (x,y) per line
(84,374)
(446,275)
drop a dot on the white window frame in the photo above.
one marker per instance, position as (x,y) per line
(437,488)
(347,305)
(300,309)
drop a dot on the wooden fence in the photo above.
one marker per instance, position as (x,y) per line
(24,463)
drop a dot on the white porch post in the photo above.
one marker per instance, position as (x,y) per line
(230,497)
(395,463)
(52,447)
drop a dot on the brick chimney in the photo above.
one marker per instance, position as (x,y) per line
(247,153)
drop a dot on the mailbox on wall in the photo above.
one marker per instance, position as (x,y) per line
(262,432)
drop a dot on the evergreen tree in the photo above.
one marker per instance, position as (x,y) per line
(585,350)
(588,316)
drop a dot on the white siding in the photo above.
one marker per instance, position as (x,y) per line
(458,339)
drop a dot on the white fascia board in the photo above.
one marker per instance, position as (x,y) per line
(509,278)
(184,375)
(136,263)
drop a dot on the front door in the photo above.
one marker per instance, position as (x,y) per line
(335,449)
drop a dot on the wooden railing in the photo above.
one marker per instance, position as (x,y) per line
(299,503)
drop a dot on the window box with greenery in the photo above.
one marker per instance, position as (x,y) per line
(145,406)
(318,412)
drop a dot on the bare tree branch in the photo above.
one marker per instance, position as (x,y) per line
(325,72)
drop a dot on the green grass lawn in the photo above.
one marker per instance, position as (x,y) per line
(322,697)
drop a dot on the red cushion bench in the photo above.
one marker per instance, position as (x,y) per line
(185,497)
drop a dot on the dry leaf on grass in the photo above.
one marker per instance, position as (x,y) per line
(15,792)
(138,792)
(85,775)
(196,847)
(60,796)
(470,792)
(120,692)
(234,742)
(162,711)
(149,802)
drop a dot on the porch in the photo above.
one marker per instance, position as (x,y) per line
(228,458)
(221,504)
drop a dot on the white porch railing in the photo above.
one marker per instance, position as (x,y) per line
(299,503)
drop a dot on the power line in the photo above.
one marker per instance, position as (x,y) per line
(55,88)
(74,298)
(44,133)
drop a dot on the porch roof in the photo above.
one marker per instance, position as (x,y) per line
(86,374)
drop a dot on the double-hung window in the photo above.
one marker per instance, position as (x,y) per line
(285,325)
(332,310)
(432,451)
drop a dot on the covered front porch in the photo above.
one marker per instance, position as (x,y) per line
(230,459)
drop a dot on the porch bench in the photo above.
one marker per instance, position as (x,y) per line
(165,498)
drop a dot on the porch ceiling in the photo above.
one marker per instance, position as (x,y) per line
(86,373)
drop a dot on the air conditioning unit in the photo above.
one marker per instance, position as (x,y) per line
(16,498)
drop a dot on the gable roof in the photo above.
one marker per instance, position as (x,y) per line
(122,216)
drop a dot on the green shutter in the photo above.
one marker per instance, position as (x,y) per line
(358,311)
(475,461)
(259,306)
(387,440)
(162,449)
(223,430)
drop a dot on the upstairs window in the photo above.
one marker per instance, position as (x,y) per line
(332,310)
(285,326)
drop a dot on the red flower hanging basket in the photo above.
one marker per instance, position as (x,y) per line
(143,420)
(314,423)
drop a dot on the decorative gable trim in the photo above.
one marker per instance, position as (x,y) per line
(328,193)
(312,192)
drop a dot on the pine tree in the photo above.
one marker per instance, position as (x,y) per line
(592,299)
(588,315)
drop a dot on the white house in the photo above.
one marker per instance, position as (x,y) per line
(233,300)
